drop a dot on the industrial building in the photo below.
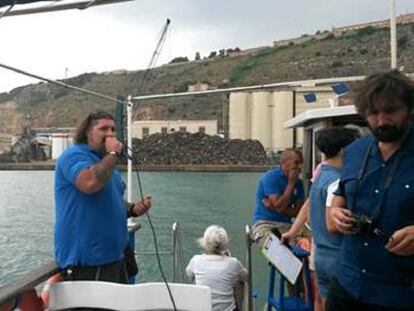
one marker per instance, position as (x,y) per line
(141,129)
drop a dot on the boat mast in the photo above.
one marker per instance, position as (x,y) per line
(393,32)
(130,104)
(129,148)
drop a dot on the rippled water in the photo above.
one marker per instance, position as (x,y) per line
(195,200)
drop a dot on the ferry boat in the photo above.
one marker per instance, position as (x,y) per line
(61,295)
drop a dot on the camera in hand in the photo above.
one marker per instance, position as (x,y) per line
(363,224)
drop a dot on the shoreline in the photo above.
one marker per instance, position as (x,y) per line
(50,166)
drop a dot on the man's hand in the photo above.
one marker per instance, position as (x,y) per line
(293,176)
(402,242)
(341,220)
(286,237)
(266,203)
(113,144)
(142,206)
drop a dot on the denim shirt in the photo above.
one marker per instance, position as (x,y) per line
(324,241)
(368,271)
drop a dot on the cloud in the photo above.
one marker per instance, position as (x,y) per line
(123,36)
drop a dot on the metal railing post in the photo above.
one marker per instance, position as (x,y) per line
(249,287)
(174,250)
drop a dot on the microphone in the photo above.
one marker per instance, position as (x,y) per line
(125,149)
(126,154)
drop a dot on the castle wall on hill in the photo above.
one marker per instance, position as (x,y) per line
(401,20)
(337,31)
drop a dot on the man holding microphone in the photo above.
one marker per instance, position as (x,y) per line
(91,214)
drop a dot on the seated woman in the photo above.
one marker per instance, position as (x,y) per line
(216,269)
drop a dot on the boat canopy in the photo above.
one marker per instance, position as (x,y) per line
(315,115)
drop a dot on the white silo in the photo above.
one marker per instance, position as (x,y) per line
(282,111)
(239,116)
(261,106)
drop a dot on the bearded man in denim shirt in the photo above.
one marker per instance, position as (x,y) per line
(374,204)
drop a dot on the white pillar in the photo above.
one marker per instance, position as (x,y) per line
(129,151)
(393,28)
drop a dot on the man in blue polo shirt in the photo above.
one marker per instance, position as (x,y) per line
(374,204)
(279,195)
(91,214)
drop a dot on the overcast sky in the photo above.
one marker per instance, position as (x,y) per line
(123,36)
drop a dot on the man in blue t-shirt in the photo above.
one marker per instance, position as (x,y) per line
(373,206)
(91,214)
(279,195)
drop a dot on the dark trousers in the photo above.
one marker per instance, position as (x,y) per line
(340,300)
(114,272)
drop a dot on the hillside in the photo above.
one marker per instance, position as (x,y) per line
(356,52)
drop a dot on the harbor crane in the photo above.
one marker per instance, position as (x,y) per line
(157,51)
(129,108)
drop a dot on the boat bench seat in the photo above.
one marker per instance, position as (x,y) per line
(145,296)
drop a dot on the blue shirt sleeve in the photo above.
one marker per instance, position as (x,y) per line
(273,185)
(73,163)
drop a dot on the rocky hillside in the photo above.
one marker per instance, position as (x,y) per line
(357,52)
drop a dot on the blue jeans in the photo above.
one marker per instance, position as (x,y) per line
(324,267)
(340,300)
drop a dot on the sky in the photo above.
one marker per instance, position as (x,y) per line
(123,36)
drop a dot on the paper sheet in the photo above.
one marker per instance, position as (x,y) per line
(282,258)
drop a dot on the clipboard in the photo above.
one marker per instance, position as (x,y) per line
(282,258)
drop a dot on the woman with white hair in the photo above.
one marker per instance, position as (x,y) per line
(216,269)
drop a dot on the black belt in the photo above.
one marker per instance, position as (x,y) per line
(112,272)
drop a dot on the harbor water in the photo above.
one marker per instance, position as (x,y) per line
(194,200)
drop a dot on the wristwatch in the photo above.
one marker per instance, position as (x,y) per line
(114,153)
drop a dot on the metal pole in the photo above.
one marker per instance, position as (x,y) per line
(279,85)
(60,7)
(294,134)
(393,28)
(249,291)
(129,143)
(174,250)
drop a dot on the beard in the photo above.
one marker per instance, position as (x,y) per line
(391,133)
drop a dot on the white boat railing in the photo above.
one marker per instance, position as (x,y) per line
(177,252)
(248,294)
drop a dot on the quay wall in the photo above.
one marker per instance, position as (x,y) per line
(50,166)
